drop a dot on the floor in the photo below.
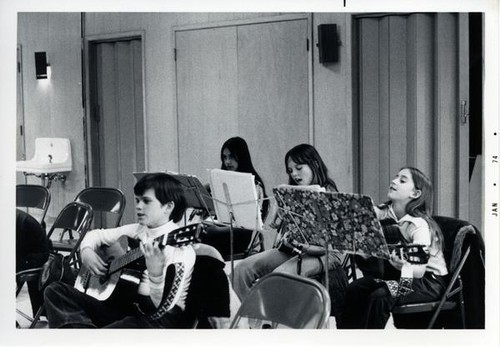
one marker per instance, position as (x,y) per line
(23,305)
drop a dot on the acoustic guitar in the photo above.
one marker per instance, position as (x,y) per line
(125,268)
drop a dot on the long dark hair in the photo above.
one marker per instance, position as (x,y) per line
(307,154)
(422,206)
(238,148)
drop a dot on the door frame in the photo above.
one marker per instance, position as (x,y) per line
(89,42)
(251,21)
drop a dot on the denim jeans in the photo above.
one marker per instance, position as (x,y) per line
(69,308)
(258,265)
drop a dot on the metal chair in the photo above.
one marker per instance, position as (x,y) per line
(33,196)
(32,250)
(460,239)
(76,218)
(26,276)
(281,300)
(104,202)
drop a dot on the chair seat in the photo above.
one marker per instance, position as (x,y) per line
(28,275)
(64,245)
(423,307)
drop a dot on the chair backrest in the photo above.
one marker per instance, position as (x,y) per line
(291,301)
(457,235)
(461,237)
(75,216)
(33,196)
(104,200)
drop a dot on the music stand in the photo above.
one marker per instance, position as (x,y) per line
(236,202)
(346,222)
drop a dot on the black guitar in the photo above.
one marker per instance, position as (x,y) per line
(121,274)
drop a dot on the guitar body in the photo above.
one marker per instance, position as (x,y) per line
(122,284)
(125,268)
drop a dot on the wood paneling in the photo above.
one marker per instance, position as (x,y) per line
(369,107)
(446,108)
(121,136)
(463,126)
(273,93)
(207,91)
(409,102)
(420,88)
(397,100)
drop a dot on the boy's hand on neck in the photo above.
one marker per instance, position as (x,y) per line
(155,258)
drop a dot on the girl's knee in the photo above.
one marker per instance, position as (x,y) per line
(288,267)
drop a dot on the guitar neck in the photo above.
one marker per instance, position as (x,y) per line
(126,259)
(178,237)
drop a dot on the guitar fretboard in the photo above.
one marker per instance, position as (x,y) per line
(180,237)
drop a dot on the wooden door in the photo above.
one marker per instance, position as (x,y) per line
(206,65)
(413,73)
(248,80)
(117,124)
(273,96)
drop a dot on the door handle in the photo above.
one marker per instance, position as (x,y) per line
(463,111)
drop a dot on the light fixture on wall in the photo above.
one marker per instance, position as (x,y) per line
(328,43)
(41,65)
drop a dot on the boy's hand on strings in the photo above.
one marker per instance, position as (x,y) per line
(154,256)
(93,262)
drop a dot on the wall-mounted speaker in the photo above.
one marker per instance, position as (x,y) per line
(328,43)
(41,65)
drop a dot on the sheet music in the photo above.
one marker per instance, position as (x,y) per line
(243,196)
(346,221)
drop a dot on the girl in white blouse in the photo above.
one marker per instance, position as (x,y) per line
(369,300)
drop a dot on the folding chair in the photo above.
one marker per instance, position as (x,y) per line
(461,240)
(33,196)
(76,218)
(32,251)
(23,277)
(104,202)
(281,300)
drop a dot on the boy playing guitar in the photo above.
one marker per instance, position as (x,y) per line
(161,288)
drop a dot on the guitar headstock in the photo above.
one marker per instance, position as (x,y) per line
(185,235)
(412,253)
